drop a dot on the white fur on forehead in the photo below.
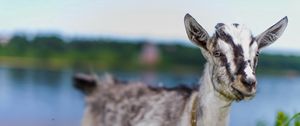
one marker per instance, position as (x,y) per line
(240,33)
(242,36)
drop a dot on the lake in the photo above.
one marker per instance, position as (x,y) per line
(41,97)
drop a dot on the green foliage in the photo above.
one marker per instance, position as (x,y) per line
(53,51)
(283,119)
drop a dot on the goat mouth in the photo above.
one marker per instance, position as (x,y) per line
(241,95)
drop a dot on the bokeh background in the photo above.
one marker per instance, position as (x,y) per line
(44,43)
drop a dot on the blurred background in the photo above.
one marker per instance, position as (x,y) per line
(43,43)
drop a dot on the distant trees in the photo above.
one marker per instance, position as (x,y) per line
(17,46)
(120,54)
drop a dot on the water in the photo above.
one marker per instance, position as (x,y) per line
(274,94)
(33,97)
(39,97)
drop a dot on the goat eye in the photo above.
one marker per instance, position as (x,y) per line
(257,53)
(217,54)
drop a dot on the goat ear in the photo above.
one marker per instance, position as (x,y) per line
(195,31)
(272,34)
(85,83)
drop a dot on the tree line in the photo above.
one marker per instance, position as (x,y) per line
(117,54)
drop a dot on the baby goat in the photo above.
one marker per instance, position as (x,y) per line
(229,75)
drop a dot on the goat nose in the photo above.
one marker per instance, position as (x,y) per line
(249,82)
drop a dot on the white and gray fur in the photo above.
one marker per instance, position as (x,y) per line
(229,75)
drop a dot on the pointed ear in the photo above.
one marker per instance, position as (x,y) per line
(85,83)
(272,34)
(195,31)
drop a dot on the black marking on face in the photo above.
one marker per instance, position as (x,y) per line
(219,25)
(255,62)
(238,58)
(252,40)
(225,37)
(236,24)
(239,61)
(238,51)
(241,67)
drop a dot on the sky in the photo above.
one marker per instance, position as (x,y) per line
(151,19)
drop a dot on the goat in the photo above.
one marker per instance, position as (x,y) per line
(229,75)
